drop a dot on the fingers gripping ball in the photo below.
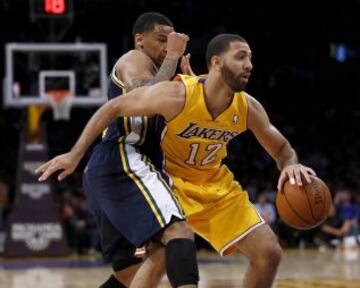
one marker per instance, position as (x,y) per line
(304,207)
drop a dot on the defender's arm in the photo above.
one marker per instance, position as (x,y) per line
(165,98)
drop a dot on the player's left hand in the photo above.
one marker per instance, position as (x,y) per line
(185,65)
(66,162)
(293,174)
(176,45)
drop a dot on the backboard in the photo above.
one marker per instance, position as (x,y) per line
(32,70)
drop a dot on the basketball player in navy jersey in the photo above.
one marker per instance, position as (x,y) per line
(123,182)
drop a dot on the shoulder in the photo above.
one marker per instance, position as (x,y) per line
(254,105)
(172,90)
(252,101)
(257,116)
(189,80)
(133,57)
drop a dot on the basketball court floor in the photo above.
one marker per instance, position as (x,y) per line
(301,268)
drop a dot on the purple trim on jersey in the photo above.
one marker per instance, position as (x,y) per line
(160,126)
(202,80)
(165,177)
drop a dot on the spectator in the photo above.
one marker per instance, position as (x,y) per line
(347,209)
(333,230)
(82,223)
(266,209)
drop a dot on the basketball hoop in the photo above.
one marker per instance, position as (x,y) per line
(61,102)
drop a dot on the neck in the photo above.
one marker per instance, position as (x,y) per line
(218,95)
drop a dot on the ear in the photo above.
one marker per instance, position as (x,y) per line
(139,40)
(216,62)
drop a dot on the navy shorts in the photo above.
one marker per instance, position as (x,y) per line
(130,199)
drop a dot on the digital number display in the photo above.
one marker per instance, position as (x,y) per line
(51,9)
(54,6)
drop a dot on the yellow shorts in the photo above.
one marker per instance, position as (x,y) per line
(218,210)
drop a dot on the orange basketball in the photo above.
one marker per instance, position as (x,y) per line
(304,207)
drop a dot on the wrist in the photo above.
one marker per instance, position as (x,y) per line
(77,153)
(288,162)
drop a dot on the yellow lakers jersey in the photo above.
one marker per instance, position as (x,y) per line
(194,143)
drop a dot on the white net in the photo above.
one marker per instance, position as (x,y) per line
(61,103)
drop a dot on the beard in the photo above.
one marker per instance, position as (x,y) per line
(232,80)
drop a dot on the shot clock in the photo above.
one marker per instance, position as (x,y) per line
(51,9)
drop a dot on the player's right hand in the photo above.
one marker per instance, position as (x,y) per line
(176,45)
(66,162)
(293,173)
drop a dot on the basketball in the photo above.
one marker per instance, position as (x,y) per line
(304,207)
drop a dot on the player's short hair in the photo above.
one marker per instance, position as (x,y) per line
(220,44)
(146,22)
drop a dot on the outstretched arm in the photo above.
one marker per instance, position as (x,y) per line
(165,98)
(276,145)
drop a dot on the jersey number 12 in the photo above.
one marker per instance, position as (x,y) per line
(210,157)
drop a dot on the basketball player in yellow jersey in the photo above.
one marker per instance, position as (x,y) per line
(201,116)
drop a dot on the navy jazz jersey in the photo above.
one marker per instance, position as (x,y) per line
(130,130)
(125,186)
(139,131)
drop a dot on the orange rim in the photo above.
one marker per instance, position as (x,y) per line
(58,95)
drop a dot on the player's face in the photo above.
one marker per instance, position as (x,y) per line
(155,42)
(237,66)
